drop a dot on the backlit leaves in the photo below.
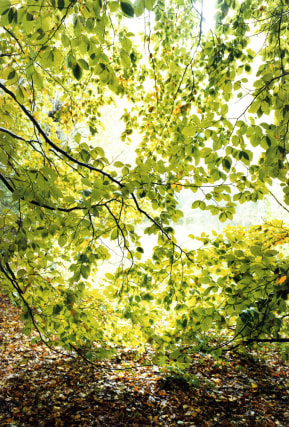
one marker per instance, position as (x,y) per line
(208,115)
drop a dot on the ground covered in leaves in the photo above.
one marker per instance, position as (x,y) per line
(41,388)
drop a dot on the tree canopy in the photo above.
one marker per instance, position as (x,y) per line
(208,113)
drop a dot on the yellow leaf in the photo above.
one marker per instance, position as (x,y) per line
(177,109)
(281,280)
(179,186)
(253,385)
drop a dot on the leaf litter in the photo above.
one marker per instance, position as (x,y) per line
(39,387)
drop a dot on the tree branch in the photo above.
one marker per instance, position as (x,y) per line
(6,183)
(16,136)
(54,208)
(278,201)
(53,145)
(15,38)
(10,276)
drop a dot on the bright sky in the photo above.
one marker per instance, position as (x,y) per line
(209,7)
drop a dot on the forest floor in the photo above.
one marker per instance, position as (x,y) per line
(39,387)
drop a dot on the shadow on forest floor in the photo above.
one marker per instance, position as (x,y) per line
(41,388)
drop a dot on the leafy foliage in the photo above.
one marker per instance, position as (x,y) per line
(73,204)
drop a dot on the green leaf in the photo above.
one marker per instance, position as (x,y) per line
(196,204)
(65,40)
(60,4)
(57,308)
(149,4)
(21,273)
(4,6)
(246,317)
(83,64)
(256,250)
(118,164)
(85,155)
(62,240)
(226,163)
(77,71)
(114,234)
(77,137)
(126,44)
(85,271)
(11,15)
(139,7)
(189,130)
(127,8)
(37,79)
(11,75)
(125,59)
(19,95)
(147,297)
(223,216)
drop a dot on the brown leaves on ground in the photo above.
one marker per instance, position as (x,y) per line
(41,388)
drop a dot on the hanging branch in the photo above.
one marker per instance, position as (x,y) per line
(53,145)
(10,276)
